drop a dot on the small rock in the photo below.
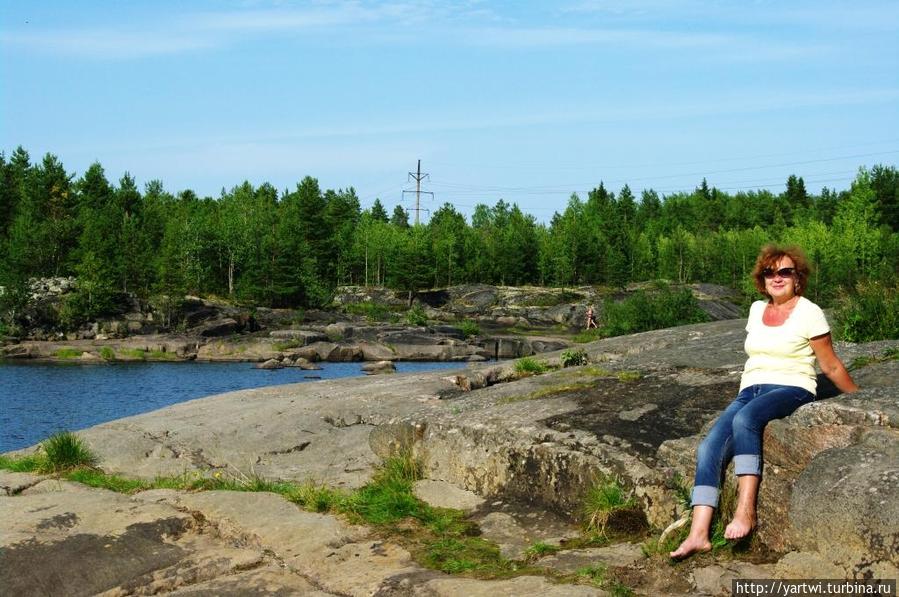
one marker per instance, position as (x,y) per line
(270,364)
(379,367)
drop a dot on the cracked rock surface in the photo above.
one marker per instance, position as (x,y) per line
(518,454)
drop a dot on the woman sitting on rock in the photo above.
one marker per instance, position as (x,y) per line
(785,335)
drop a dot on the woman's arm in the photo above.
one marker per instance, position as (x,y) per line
(831,364)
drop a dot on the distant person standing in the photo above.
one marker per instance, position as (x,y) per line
(591,318)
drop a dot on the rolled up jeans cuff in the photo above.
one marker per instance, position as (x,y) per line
(705,495)
(747,464)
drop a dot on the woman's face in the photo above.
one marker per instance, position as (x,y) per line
(781,287)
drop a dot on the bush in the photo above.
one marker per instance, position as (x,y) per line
(416,316)
(65,451)
(869,313)
(67,353)
(573,357)
(370,310)
(643,312)
(107,353)
(530,366)
(470,328)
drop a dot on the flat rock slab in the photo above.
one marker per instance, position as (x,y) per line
(297,432)
(620,555)
(516,529)
(717,578)
(269,581)
(522,586)
(84,542)
(12,483)
(62,538)
(441,494)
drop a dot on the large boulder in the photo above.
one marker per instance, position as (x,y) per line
(219,327)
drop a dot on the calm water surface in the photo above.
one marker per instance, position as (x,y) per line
(38,399)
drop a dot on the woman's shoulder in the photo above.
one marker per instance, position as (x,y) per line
(808,305)
(756,309)
(757,306)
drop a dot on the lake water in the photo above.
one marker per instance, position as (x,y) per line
(39,399)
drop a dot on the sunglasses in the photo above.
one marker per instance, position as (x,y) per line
(784,272)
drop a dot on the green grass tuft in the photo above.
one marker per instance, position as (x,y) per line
(316,498)
(107,353)
(133,354)
(65,451)
(602,500)
(628,376)
(454,555)
(470,328)
(388,497)
(289,344)
(67,353)
(23,464)
(94,478)
(540,549)
(530,366)
(595,574)
(573,358)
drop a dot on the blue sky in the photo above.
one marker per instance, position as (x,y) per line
(524,101)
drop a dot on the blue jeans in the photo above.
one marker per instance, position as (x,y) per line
(737,434)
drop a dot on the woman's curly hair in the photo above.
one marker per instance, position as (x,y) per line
(768,258)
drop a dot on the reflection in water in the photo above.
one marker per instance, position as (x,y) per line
(38,399)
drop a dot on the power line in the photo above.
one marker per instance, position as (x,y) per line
(562,187)
(530,165)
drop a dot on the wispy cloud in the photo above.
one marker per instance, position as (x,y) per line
(567,36)
(473,24)
(106,43)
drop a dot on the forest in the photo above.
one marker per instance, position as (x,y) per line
(292,248)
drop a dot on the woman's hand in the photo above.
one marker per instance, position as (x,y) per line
(831,364)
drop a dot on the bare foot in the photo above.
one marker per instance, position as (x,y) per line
(689,547)
(742,524)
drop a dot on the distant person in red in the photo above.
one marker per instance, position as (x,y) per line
(591,318)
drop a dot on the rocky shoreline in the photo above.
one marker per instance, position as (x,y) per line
(464,323)
(517,453)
